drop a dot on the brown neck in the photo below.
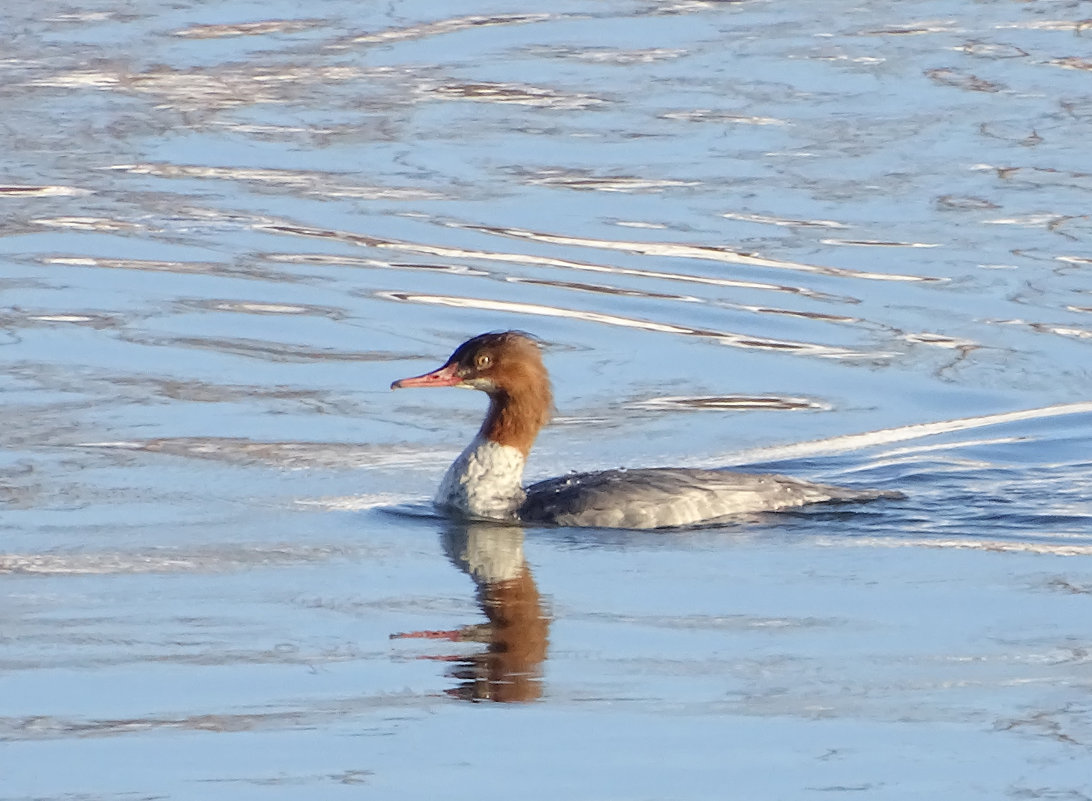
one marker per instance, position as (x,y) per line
(514,419)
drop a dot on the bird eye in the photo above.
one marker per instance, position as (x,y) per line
(482,360)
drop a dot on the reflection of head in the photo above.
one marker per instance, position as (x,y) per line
(510,669)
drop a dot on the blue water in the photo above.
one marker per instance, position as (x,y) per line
(847,242)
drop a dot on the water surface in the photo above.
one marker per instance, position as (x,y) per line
(845,241)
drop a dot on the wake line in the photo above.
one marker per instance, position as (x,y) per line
(888,436)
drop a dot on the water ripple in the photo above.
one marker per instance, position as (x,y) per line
(438,28)
(687,251)
(721,337)
(448,251)
(296,181)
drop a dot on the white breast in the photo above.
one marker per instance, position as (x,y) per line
(485,481)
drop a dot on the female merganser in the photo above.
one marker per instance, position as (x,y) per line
(485,481)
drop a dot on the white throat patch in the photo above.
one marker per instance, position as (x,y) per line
(484,481)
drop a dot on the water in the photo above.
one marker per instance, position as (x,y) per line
(845,241)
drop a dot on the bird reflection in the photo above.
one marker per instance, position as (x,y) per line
(516,634)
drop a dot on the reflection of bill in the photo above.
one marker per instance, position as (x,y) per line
(516,634)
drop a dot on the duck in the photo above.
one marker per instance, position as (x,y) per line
(485,482)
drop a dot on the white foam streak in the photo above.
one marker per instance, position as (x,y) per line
(889,436)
